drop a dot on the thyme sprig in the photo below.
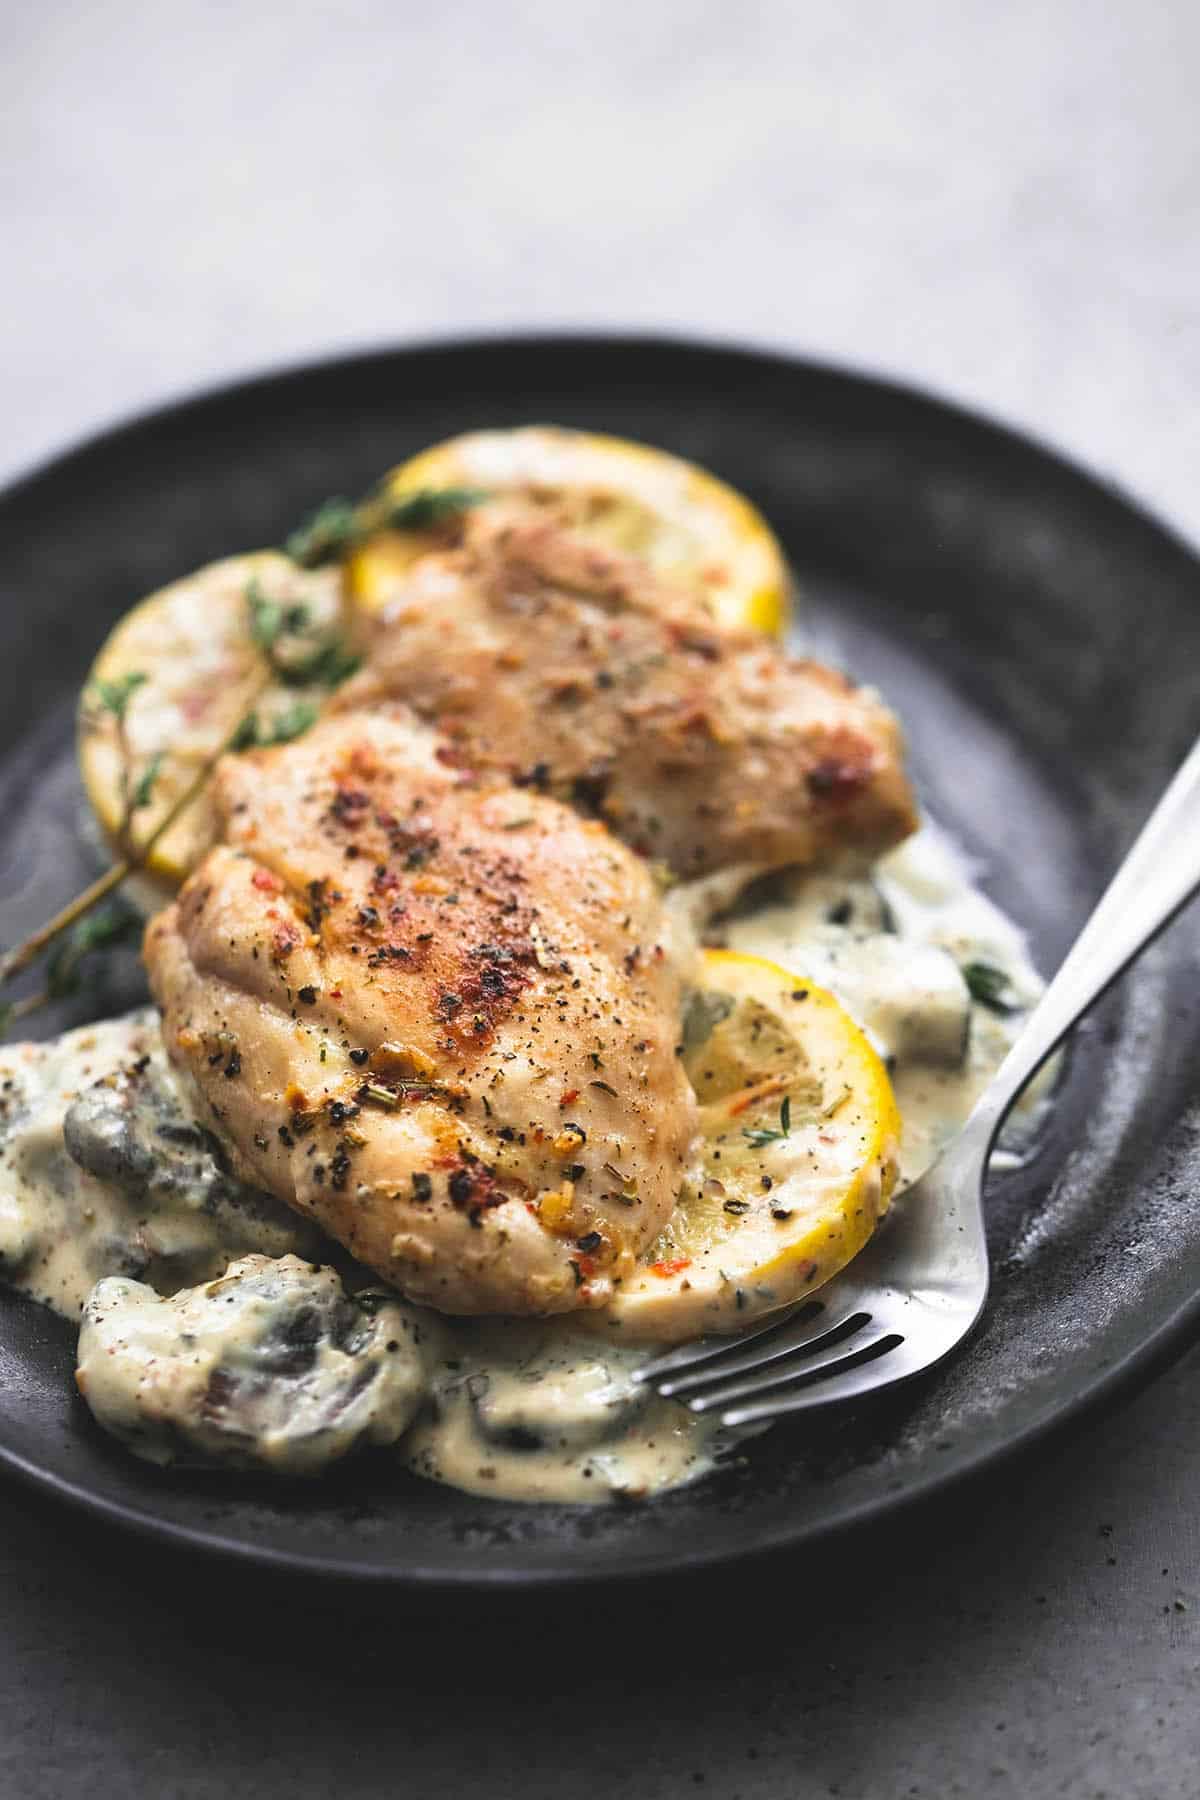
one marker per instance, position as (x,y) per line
(13,961)
(339,526)
(276,628)
(67,966)
(111,699)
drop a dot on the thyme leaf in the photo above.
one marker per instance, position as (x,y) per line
(105,929)
(114,696)
(381,1096)
(146,780)
(339,525)
(431,506)
(327,663)
(264,616)
(761,1135)
(292,723)
(990,986)
(245,734)
(328,666)
(325,536)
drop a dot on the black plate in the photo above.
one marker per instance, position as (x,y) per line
(1039,636)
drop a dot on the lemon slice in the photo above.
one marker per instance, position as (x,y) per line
(177,676)
(798,1155)
(693,529)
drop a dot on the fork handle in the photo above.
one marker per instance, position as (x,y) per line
(1158,876)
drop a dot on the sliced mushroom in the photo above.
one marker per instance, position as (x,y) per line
(272,1366)
(132,1133)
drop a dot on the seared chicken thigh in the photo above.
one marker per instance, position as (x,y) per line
(440,1017)
(572,670)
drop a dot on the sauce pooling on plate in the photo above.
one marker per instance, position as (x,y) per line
(104,1170)
(106,1173)
(934,972)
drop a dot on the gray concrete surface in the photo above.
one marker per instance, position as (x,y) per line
(999,201)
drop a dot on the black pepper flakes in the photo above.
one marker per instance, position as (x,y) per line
(461,1185)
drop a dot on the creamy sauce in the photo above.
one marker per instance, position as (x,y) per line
(104,1176)
(542,1411)
(893,947)
(104,1171)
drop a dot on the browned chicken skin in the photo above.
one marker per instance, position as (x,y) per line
(438,1016)
(572,670)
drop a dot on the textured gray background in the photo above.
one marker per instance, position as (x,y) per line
(998,201)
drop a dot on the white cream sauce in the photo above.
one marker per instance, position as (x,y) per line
(537,1411)
(104,1171)
(893,946)
(541,1410)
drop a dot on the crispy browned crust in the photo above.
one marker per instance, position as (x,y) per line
(436,1015)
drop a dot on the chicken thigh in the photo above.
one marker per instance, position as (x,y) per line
(573,670)
(436,1014)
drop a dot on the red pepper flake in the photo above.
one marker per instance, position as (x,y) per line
(193,706)
(364,762)
(335,993)
(567,1096)
(664,1270)
(265,882)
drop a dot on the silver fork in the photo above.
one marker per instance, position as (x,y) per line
(918,1288)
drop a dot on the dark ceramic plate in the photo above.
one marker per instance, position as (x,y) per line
(1040,638)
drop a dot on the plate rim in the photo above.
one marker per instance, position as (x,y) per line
(1120,1382)
(1168,1339)
(607,338)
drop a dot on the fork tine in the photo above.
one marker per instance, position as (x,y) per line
(705,1350)
(809,1333)
(844,1356)
(859,1376)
